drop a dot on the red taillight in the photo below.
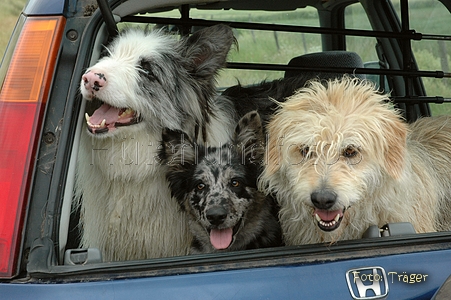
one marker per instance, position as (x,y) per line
(22,102)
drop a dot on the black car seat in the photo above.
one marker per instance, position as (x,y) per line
(326,59)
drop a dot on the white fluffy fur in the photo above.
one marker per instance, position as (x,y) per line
(126,206)
(399,174)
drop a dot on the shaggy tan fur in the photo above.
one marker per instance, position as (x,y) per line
(344,137)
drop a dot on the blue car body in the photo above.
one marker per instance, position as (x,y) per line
(407,266)
(294,281)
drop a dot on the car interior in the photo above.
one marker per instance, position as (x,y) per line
(369,39)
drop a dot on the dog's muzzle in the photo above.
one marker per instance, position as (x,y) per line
(107,118)
(327,219)
(220,238)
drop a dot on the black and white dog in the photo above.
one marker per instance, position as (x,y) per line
(217,188)
(149,80)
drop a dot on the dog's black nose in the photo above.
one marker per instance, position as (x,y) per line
(323,199)
(216,215)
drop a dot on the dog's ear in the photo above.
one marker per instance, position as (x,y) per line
(203,54)
(206,50)
(249,129)
(179,154)
(176,148)
(272,154)
(248,137)
(396,147)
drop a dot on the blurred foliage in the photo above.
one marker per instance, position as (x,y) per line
(9,13)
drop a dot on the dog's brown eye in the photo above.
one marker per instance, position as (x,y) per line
(235,183)
(201,186)
(304,150)
(350,151)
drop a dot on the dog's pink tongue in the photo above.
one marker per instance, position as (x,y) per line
(105,112)
(327,215)
(221,238)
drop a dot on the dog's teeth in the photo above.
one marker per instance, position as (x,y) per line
(103,124)
(317,218)
(327,224)
(126,112)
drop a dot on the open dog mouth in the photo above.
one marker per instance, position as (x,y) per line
(107,118)
(222,238)
(328,220)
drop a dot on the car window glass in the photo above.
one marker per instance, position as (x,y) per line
(262,46)
(356,18)
(431,17)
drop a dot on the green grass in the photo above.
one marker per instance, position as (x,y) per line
(427,16)
(9,13)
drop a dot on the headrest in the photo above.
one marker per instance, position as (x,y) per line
(343,59)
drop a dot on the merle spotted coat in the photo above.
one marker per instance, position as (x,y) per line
(216,187)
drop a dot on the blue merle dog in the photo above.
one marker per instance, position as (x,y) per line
(216,187)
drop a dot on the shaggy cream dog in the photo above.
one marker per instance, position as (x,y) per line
(340,159)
